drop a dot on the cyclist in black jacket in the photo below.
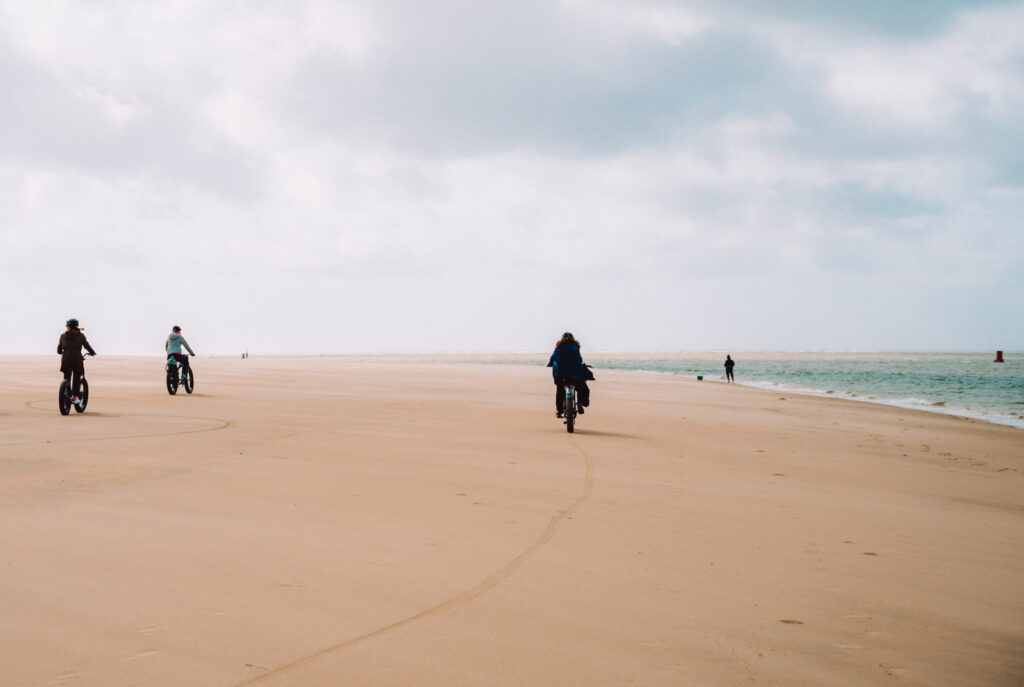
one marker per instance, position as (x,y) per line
(72,364)
(567,367)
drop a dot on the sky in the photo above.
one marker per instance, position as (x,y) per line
(469,175)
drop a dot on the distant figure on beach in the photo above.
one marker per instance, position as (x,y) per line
(173,347)
(729,364)
(72,364)
(567,366)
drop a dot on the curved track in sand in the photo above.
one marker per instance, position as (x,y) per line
(463,597)
(218,424)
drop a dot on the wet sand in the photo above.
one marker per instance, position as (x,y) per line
(341,522)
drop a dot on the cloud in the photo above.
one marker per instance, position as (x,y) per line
(439,173)
(576,80)
(903,21)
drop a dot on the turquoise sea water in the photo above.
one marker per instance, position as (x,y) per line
(964,384)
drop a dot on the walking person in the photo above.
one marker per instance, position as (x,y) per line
(72,364)
(729,364)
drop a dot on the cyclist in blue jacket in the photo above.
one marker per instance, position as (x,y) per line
(567,367)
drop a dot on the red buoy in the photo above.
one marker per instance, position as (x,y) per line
(999,357)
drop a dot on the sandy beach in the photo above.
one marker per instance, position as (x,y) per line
(361,522)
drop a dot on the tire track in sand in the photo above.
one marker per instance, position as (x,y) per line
(221,424)
(468,595)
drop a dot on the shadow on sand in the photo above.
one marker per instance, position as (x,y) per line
(90,413)
(599,433)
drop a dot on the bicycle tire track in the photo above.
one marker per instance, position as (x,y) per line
(468,595)
(223,424)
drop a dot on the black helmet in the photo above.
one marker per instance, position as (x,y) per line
(175,328)
(568,335)
(71,323)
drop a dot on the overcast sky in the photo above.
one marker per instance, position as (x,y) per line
(314,176)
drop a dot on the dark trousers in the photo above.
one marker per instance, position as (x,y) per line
(182,360)
(75,377)
(582,393)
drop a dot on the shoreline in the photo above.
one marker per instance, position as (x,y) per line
(938,407)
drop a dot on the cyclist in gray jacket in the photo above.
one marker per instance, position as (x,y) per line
(173,347)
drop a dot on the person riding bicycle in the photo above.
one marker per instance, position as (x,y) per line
(173,347)
(72,364)
(567,367)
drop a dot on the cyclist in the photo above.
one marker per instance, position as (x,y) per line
(567,367)
(173,347)
(72,364)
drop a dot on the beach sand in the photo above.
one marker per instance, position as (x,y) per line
(343,522)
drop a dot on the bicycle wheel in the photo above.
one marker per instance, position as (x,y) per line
(63,401)
(570,409)
(172,381)
(80,407)
(190,381)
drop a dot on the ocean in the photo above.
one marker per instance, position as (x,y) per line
(963,384)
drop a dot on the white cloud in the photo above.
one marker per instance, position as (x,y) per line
(908,98)
(664,21)
(437,175)
(120,109)
(926,82)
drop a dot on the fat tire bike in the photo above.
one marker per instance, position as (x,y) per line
(570,408)
(64,397)
(176,377)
